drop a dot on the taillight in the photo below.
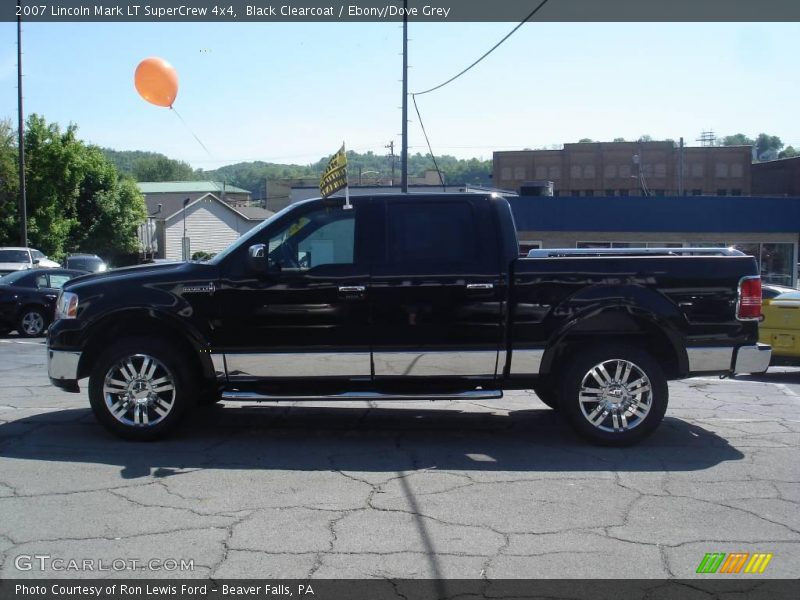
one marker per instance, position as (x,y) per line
(748,306)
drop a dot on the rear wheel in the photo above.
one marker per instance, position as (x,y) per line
(141,388)
(614,395)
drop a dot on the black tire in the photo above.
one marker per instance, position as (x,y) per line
(546,389)
(165,396)
(32,322)
(630,405)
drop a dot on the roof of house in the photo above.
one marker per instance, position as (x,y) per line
(188,187)
(254,212)
(172,207)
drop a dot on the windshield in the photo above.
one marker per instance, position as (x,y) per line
(14,256)
(249,235)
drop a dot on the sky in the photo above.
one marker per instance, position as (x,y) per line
(293,92)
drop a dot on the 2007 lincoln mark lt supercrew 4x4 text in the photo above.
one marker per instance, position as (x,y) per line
(405,296)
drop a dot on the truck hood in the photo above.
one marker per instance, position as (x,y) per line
(176,272)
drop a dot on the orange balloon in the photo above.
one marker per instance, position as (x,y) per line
(156,81)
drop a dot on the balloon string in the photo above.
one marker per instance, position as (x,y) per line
(192,132)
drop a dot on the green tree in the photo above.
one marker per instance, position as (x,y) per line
(76,200)
(9,185)
(766,142)
(585,140)
(161,168)
(789,152)
(620,139)
(738,139)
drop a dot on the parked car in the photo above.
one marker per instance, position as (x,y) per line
(28,298)
(780,326)
(17,259)
(406,296)
(86,262)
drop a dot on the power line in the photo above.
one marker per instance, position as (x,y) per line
(492,49)
(433,156)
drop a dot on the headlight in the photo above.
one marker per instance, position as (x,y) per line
(67,306)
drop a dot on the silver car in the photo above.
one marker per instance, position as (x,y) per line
(16,259)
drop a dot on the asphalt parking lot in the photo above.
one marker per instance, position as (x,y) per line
(407,490)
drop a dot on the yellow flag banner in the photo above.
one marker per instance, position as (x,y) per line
(335,176)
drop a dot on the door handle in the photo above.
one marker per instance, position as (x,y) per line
(480,286)
(352,291)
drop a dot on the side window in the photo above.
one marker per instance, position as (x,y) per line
(58,281)
(325,237)
(431,232)
(41,281)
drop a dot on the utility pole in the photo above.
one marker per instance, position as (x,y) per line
(390,146)
(404,149)
(680,169)
(23,201)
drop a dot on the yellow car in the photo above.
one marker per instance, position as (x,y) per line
(780,325)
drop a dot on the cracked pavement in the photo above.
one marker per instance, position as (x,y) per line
(400,490)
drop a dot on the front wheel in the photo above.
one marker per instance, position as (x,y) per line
(140,388)
(32,322)
(614,395)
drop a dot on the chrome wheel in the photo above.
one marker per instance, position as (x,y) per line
(139,391)
(615,395)
(32,323)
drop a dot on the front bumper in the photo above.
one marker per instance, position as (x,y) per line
(62,368)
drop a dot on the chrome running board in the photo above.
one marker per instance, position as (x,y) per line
(256,397)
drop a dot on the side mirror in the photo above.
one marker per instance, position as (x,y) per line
(36,261)
(257,259)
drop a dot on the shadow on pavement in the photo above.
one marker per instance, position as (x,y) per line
(773,375)
(313,438)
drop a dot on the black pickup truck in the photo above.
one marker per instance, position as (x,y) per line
(405,297)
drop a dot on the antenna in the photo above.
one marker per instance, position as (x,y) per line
(707,138)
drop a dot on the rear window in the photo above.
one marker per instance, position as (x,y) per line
(431,232)
(84,263)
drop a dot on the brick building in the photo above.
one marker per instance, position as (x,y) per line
(777,177)
(625,168)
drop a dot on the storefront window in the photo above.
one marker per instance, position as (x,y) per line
(777,264)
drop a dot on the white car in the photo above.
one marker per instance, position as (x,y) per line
(17,259)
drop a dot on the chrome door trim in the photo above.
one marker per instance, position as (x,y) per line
(467,395)
(480,286)
(526,362)
(297,364)
(437,363)
(218,362)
